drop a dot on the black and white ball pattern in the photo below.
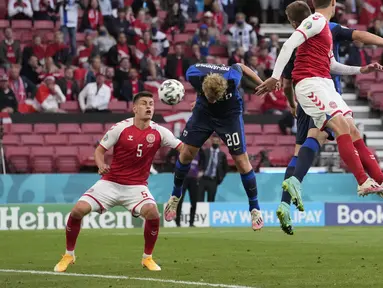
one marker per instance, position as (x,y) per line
(171,92)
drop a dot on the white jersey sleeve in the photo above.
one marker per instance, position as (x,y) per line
(111,137)
(167,138)
(312,25)
(341,69)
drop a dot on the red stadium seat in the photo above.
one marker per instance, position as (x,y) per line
(80,140)
(191,28)
(42,159)
(21,24)
(69,129)
(286,140)
(11,140)
(254,104)
(182,107)
(250,140)
(32,140)
(271,129)
(55,140)
(363,83)
(21,129)
(7,128)
(253,129)
(67,159)
(18,158)
(92,128)
(265,140)
(181,38)
(279,157)
(44,128)
(43,25)
(70,106)
(118,106)
(86,155)
(220,51)
(107,126)
(96,138)
(162,107)
(4,23)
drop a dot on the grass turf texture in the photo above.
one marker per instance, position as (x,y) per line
(313,257)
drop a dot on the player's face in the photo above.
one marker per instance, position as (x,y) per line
(144,108)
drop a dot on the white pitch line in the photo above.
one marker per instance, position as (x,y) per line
(123,278)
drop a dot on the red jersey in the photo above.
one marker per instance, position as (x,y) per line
(313,56)
(134,150)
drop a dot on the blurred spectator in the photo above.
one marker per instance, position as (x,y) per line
(68,85)
(10,52)
(109,81)
(94,69)
(68,11)
(274,103)
(21,86)
(368,10)
(92,19)
(237,57)
(44,10)
(87,51)
(121,24)
(203,40)
(197,57)
(36,49)
(142,46)
(50,68)
(118,51)
(159,40)
(266,61)
(133,86)
(175,20)
(151,65)
(265,4)
(8,102)
(31,70)
(59,51)
(107,14)
(229,6)
(213,30)
(147,5)
(177,64)
(241,34)
(139,24)
(121,78)
(358,55)
(274,46)
(104,41)
(189,9)
(247,83)
(95,96)
(220,18)
(49,96)
(20,9)
(376,28)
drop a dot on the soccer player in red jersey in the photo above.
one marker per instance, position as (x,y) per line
(135,141)
(316,92)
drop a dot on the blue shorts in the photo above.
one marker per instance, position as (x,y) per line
(201,125)
(304,124)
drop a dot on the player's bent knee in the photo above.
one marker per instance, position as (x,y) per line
(81,209)
(150,211)
(242,163)
(339,125)
(322,137)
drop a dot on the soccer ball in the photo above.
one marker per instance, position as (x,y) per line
(171,92)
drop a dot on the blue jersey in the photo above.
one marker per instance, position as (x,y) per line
(231,102)
(339,34)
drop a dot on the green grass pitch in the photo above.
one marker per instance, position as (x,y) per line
(313,257)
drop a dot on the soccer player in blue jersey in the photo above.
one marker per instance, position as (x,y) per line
(309,138)
(219,109)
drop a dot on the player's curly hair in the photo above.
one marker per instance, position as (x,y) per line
(214,86)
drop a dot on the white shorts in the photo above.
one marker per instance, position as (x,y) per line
(319,99)
(273,3)
(104,195)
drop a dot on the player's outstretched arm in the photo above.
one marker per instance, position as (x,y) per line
(367,38)
(341,69)
(99,157)
(248,72)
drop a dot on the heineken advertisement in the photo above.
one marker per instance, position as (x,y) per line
(55,216)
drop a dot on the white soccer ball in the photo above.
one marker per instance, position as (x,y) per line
(171,92)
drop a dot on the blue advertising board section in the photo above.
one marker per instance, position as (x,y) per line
(354,214)
(67,188)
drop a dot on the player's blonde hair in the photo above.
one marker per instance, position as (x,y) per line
(214,86)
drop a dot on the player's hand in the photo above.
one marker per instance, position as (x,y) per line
(371,68)
(103,169)
(279,84)
(192,105)
(293,111)
(267,86)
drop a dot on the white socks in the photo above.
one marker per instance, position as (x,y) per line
(71,253)
(146,256)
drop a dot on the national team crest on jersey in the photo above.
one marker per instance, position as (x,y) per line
(105,138)
(333,105)
(150,138)
(308,25)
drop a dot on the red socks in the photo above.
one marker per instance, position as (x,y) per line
(72,230)
(151,229)
(369,162)
(351,158)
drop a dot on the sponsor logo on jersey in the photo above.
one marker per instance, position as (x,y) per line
(333,105)
(150,138)
(308,25)
(212,66)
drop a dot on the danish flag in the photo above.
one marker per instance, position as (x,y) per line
(317,102)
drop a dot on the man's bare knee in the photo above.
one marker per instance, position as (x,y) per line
(242,163)
(339,125)
(81,209)
(149,211)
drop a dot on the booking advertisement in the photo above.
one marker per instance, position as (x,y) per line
(354,214)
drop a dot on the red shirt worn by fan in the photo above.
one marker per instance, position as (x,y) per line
(134,150)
